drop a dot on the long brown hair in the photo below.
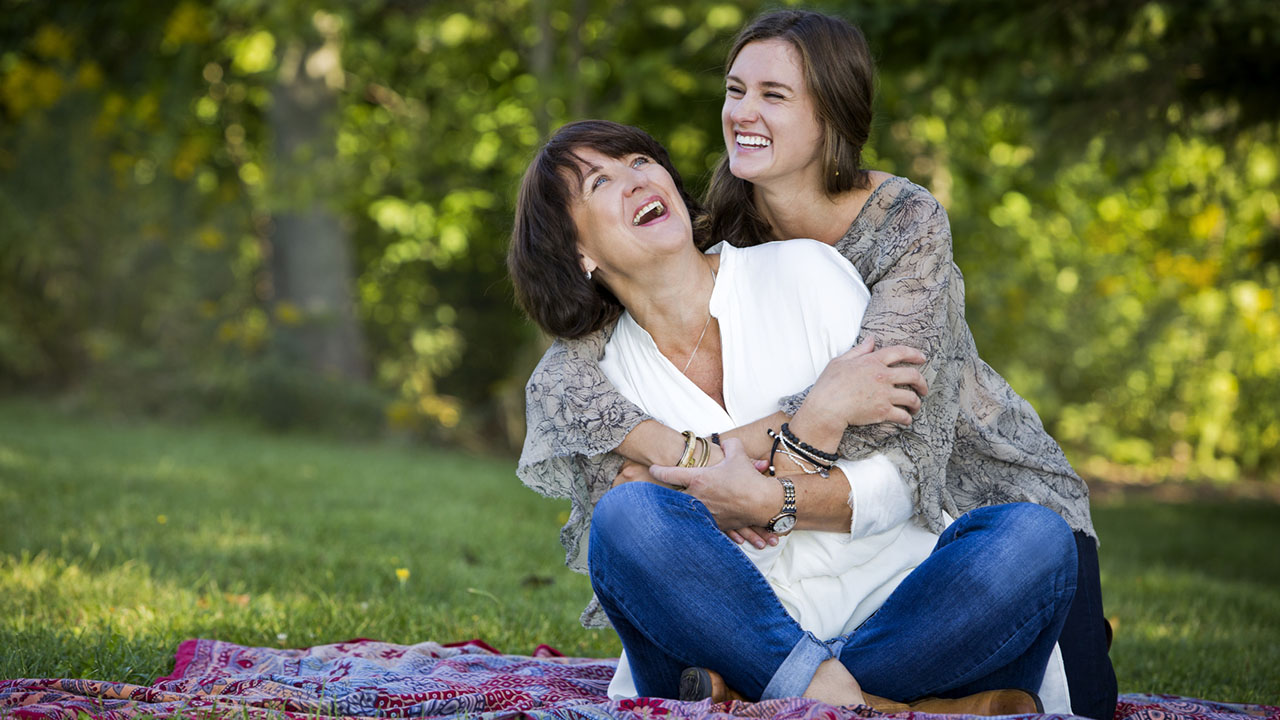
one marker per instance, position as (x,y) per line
(543,256)
(840,75)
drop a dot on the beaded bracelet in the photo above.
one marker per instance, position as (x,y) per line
(807,464)
(806,447)
(801,455)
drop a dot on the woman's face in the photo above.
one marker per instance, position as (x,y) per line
(771,128)
(627,211)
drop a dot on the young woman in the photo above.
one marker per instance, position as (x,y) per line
(797,112)
(971,613)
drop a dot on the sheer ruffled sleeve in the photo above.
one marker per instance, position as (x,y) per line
(904,255)
(575,419)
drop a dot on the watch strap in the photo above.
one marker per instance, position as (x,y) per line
(788,502)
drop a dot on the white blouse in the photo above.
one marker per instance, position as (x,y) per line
(785,309)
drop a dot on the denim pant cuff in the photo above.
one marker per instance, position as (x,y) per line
(796,672)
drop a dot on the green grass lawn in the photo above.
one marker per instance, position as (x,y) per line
(119,539)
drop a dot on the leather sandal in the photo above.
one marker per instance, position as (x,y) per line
(991,702)
(700,683)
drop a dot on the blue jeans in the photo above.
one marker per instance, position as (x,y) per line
(1084,644)
(982,612)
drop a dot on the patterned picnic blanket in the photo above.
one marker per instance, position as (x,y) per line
(363,678)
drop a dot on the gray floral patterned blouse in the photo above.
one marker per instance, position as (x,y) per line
(975,442)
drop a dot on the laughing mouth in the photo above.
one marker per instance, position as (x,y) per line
(753,141)
(649,212)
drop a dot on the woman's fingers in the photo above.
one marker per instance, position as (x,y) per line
(866,347)
(758,537)
(732,489)
(864,386)
(899,416)
(895,354)
(908,377)
(632,472)
(681,478)
(905,398)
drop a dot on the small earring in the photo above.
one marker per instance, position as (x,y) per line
(588,276)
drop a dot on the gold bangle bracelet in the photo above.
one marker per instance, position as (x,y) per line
(704,452)
(690,443)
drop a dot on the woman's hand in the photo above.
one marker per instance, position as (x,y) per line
(757,536)
(633,472)
(866,386)
(737,495)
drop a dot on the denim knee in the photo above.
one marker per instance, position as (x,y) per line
(1036,541)
(639,521)
(630,510)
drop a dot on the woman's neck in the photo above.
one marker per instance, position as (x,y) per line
(673,305)
(803,210)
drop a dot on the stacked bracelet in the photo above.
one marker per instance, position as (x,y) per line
(808,449)
(696,451)
(810,460)
(777,440)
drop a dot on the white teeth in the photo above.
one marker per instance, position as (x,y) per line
(655,208)
(753,140)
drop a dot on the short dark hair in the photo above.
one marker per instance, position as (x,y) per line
(543,256)
(840,75)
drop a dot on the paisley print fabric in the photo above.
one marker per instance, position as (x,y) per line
(223,681)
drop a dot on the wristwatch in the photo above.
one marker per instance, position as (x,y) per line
(786,518)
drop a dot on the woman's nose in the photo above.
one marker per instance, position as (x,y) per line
(743,110)
(636,180)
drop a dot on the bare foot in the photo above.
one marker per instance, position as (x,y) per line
(834,685)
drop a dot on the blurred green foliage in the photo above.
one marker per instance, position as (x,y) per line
(1110,170)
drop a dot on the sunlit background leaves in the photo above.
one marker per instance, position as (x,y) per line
(173,241)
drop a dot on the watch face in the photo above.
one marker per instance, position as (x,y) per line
(783,523)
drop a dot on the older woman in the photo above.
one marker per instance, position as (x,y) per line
(604,235)
(797,112)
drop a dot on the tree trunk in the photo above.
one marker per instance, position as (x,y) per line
(311,261)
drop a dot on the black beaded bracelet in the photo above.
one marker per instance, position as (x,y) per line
(806,447)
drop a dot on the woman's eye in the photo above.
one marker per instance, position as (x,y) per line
(773,96)
(733,90)
(641,160)
(600,180)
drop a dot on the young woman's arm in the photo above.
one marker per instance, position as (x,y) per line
(864,386)
(574,421)
(917,299)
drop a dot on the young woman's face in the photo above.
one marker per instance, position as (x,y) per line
(771,128)
(627,211)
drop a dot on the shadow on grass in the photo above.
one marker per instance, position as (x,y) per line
(1233,541)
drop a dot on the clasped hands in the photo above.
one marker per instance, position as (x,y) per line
(734,489)
(863,386)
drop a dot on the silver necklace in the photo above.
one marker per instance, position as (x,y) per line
(704,327)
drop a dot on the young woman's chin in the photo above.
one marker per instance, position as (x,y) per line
(748,168)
